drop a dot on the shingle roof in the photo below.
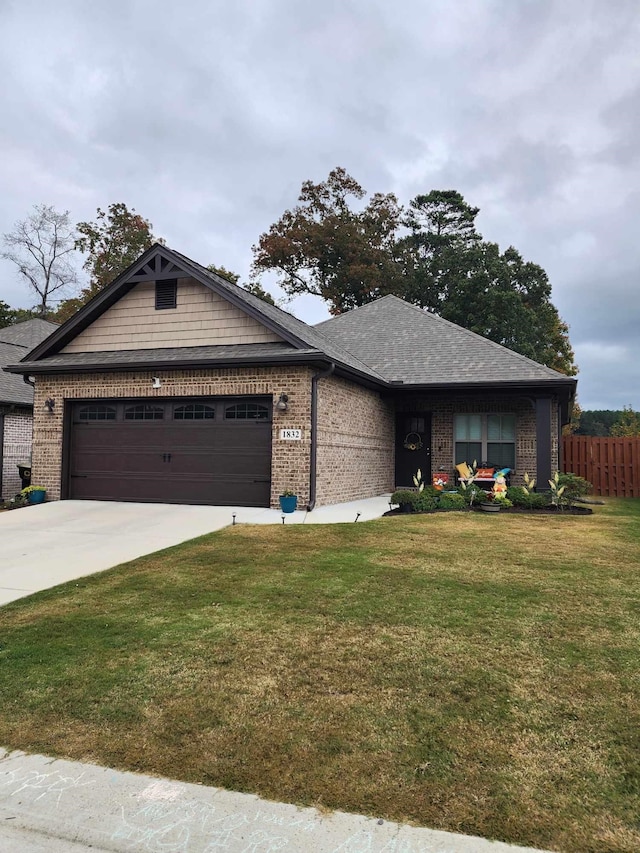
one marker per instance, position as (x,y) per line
(15,343)
(225,354)
(406,344)
(28,334)
(386,342)
(308,334)
(12,388)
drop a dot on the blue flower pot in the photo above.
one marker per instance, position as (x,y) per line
(288,504)
(36,497)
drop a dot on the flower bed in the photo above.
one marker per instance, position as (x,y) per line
(512,510)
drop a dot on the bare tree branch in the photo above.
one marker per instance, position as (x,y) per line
(39,246)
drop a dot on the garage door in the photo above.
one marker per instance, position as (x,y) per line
(204,451)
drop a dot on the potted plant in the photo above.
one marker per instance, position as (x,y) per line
(288,501)
(494,501)
(34,494)
(489,503)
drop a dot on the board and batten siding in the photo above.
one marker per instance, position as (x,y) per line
(201,318)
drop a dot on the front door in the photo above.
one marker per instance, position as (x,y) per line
(413,447)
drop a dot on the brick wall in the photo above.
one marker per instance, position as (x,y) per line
(290,459)
(16,448)
(355,425)
(446,406)
(355,442)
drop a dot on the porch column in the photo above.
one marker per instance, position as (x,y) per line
(543,442)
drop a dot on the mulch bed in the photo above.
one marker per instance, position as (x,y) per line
(513,510)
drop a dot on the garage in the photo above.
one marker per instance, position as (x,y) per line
(197,451)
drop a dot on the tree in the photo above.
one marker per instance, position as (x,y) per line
(6,315)
(597,421)
(233,277)
(253,287)
(325,248)
(258,290)
(628,424)
(41,246)
(112,243)
(437,253)
(507,300)
(439,262)
(574,423)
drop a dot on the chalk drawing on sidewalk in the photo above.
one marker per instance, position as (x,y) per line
(364,841)
(160,791)
(163,823)
(163,826)
(160,826)
(53,784)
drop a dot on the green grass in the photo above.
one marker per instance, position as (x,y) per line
(462,671)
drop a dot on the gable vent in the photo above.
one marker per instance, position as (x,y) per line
(166,293)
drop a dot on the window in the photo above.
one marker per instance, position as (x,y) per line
(143,413)
(247,412)
(485,438)
(166,294)
(193,412)
(97,413)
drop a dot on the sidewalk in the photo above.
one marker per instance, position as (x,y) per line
(55,806)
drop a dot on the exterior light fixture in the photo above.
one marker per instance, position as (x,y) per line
(156,382)
(49,405)
(283,403)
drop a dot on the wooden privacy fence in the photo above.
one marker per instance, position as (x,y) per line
(611,464)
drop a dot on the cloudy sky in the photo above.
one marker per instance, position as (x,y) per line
(206,116)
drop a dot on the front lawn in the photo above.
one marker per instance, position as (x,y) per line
(468,672)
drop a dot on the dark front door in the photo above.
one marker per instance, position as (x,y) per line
(204,451)
(413,447)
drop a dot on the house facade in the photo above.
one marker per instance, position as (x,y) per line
(174,385)
(16,402)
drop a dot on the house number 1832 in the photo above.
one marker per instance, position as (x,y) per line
(291,434)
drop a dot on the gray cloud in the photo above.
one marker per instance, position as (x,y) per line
(207,117)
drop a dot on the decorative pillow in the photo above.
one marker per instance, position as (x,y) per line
(504,471)
(485,473)
(463,470)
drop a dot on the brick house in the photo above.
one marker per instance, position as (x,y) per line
(16,401)
(175,385)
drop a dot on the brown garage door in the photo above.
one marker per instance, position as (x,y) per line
(204,451)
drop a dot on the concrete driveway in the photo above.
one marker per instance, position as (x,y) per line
(42,546)
(47,544)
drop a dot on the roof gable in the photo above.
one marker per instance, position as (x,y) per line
(199,317)
(159,263)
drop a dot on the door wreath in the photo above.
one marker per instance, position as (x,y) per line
(412,441)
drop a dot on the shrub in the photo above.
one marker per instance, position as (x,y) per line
(529,500)
(425,502)
(574,486)
(404,496)
(431,491)
(453,501)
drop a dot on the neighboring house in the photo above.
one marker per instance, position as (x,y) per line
(16,401)
(175,385)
